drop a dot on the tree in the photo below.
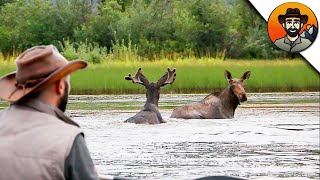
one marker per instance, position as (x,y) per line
(25,24)
(3,2)
(100,27)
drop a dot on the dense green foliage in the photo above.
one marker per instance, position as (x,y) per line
(148,29)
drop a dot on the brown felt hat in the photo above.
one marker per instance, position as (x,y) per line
(37,67)
(293,12)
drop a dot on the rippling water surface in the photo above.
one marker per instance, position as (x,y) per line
(273,135)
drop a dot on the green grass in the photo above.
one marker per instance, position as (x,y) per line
(194,76)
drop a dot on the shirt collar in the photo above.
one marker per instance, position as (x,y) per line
(297,41)
(48,109)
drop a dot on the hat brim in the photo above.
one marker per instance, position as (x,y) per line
(11,93)
(303,18)
(281,18)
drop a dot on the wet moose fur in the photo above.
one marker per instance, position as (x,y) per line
(220,105)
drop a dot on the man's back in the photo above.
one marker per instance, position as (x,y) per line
(34,145)
(37,140)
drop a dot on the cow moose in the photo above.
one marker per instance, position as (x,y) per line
(218,105)
(150,113)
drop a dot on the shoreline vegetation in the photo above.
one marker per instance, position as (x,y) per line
(194,75)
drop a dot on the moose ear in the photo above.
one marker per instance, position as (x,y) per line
(227,75)
(246,75)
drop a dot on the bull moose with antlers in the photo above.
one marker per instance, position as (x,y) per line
(221,105)
(150,113)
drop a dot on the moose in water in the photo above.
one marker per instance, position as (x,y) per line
(150,113)
(219,105)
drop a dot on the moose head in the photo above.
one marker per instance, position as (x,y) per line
(153,88)
(236,85)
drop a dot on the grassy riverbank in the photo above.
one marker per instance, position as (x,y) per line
(194,76)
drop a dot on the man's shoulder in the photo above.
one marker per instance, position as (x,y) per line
(26,114)
(305,41)
(279,41)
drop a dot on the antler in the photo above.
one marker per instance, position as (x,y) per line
(138,78)
(167,78)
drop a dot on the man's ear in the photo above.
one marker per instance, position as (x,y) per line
(59,87)
(283,25)
(301,25)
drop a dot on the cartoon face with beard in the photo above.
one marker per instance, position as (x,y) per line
(292,26)
(293,23)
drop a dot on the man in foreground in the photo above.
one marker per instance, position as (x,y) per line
(37,140)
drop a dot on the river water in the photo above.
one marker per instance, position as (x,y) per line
(273,136)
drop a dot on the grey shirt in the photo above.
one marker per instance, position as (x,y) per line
(298,45)
(78,164)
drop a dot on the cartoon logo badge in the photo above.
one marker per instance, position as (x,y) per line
(292,27)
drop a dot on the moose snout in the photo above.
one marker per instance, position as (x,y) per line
(242,97)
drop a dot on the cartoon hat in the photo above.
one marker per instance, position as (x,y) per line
(293,12)
(36,67)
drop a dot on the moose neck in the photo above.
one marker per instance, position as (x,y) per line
(229,100)
(152,96)
(152,101)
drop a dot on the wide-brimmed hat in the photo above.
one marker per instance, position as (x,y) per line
(293,12)
(37,67)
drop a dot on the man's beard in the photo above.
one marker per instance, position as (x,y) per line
(64,99)
(294,33)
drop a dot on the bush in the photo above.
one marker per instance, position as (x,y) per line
(90,52)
